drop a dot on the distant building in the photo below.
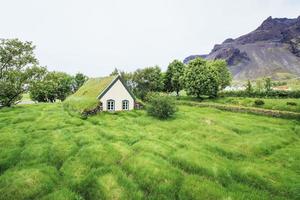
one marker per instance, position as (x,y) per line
(234,88)
(282,87)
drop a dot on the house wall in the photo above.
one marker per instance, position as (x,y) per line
(118,93)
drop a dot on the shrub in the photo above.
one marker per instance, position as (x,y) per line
(259,102)
(152,95)
(162,107)
(291,103)
(262,94)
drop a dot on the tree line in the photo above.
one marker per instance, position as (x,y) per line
(198,78)
(262,89)
(20,73)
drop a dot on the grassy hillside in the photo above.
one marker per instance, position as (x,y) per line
(202,153)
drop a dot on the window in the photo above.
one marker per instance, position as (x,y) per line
(125,105)
(110,105)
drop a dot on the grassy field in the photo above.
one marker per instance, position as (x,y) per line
(273,104)
(201,153)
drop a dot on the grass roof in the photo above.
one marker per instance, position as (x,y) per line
(86,96)
(94,86)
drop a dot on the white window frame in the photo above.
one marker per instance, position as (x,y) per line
(125,105)
(110,105)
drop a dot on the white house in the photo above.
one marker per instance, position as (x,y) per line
(115,96)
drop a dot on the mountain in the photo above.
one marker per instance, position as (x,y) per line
(273,49)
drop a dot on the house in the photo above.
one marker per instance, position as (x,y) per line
(116,96)
(111,92)
(281,87)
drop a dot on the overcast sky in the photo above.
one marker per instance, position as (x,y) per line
(95,36)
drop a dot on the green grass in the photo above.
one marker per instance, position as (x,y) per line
(273,104)
(201,153)
(86,96)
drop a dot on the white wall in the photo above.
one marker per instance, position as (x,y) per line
(118,93)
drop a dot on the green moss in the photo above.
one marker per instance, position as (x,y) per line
(94,86)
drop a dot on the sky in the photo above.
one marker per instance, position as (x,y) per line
(95,36)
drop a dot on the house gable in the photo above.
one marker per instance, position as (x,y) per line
(118,78)
(118,94)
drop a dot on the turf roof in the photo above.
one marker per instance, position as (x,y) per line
(94,86)
(86,97)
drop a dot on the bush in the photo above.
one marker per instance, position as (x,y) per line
(162,107)
(259,102)
(291,103)
(262,94)
(241,109)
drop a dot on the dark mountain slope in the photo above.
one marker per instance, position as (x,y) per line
(271,50)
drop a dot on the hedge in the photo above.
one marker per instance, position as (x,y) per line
(259,111)
(262,94)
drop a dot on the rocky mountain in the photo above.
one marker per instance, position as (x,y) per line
(273,49)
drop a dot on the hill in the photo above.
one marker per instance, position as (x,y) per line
(270,50)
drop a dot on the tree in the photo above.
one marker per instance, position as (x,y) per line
(268,84)
(172,82)
(147,80)
(200,78)
(249,88)
(115,72)
(78,80)
(259,85)
(52,86)
(224,75)
(62,84)
(127,77)
(16,59)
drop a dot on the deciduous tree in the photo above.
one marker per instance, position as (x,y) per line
(16,59)
(115,72)
(78,80)
(224,75)
(147,80)
(172,78)
(268,84)
(53,86)
(249,88)
(200,78)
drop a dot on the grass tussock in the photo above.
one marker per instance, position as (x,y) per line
(203,153)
